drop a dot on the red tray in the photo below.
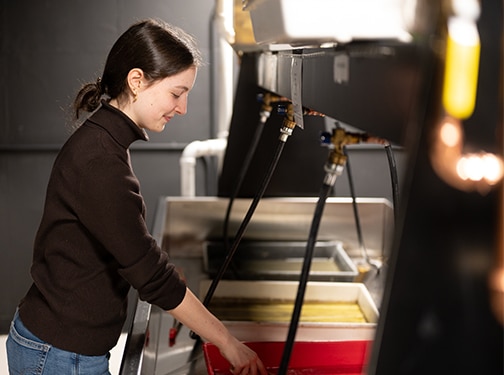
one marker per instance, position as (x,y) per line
(314,358)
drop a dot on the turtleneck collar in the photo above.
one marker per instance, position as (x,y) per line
(118,124)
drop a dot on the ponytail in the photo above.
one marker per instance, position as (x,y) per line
(88,98)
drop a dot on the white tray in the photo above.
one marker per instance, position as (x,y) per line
(315,291)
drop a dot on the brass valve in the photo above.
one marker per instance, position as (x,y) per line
(339,139)
(337,158)
(268,99)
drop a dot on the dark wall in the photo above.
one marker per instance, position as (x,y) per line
(47,50)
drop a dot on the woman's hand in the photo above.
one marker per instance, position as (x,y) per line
(195,316)
(243,360)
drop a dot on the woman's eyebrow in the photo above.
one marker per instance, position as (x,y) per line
(185,88)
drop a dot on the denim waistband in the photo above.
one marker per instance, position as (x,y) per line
(23,335)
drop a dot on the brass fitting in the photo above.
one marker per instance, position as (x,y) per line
(337,158)
(267,100)
(288,124)
(339,139)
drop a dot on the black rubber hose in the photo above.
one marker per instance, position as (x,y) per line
(355,208)
(394,178)
(358,227)
(305,273)
(242,228)
(244,223)
(239,236)
(241,177)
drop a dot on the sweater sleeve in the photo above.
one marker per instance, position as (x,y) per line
(112,210)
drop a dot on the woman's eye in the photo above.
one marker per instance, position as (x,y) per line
(175,95)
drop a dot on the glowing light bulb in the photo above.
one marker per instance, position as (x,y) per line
(493,168)
(476,167)
(450,134)
(469,168)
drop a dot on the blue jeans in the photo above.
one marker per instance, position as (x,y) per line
(28,355)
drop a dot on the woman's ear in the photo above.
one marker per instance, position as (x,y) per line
(135,78)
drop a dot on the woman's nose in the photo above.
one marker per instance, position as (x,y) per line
(181,107)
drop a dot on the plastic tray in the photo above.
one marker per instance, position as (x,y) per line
(314,358)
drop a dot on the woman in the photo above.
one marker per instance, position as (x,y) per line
(92,243)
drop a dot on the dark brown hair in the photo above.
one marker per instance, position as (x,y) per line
(159,49)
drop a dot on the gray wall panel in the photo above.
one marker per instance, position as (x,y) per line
(23,177)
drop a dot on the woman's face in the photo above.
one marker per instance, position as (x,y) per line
(157,103)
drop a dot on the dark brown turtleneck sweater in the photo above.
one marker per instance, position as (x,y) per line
(93,243)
